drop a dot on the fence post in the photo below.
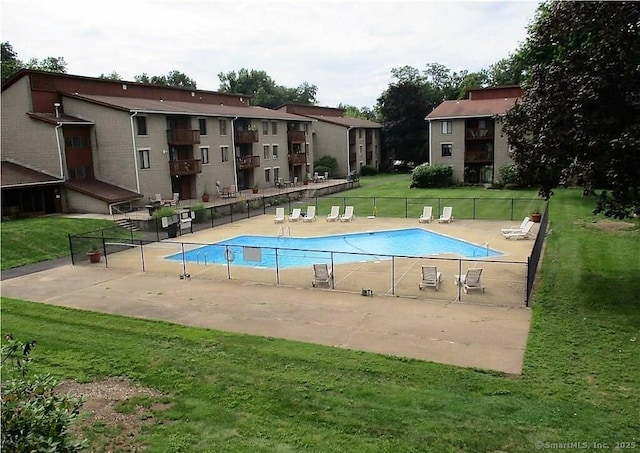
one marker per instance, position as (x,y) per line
(474,208)
(142,256)
(393,275)
(104,251)
(512,209)
(73,261)
(527,291)
(406,208)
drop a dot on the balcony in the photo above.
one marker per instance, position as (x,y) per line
(185,167)
(478,156)
(298,159)
(247,162)
(246,137)
(183,136)
(352,156)
(368,138)
(478,134)
(296,136)
(369,157)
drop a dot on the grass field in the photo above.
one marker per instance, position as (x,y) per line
(230,392)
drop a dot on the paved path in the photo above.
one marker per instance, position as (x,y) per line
(446,332)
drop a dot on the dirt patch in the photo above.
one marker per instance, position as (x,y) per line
(610,226)
(114,412)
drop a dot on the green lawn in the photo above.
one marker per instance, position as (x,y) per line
(229,392)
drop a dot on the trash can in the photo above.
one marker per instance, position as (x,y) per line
(172,230)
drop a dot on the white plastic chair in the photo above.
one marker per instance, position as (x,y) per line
(427,215)
(334,214)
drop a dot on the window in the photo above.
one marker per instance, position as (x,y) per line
(204,154)
(447,149)
(306,127)
(223,127)
(447,127)
(266,152)
(76,142)
(202,123)
(224,153)
(144,158)
(359,133)
(267,175)
(265,128)
(275,151)
(274,127)
(276,173)
(141,123)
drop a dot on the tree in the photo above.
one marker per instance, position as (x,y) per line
(364,113)
(111,76)
(49,64)
(403,107)
(10,62)
(173,79)
(580,115)
(263,89)
(508,71)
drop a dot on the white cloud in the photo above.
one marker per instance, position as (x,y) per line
(346,48)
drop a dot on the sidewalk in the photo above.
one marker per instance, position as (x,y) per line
(446,332)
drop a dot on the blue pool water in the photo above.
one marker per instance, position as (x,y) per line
(260,251)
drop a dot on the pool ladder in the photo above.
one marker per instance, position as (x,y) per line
(284,231)
(485,244)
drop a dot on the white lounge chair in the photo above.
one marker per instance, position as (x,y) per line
(471,279)
(295,215)
(311,214)
(518,228)
(430,277)
(427,215)
(447,215)
(334,214)
(520,234)
(279,218)
(348,214)
(322,274)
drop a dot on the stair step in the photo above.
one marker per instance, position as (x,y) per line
(125,223)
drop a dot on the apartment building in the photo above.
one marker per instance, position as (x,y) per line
(354,142)
(467,136)
(81,144)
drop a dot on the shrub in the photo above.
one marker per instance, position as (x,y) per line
(34,417)
(330,162)
(165,211)
(321,170)
(508,175)
(200,212)
(368,170)
(432,176)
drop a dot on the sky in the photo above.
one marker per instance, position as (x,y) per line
(346,48)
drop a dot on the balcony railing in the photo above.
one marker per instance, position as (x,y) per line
(478,156)
(183,136)
(185,167)
(478,134)
(246,162)
(298,158)
(246,136)
(297,136)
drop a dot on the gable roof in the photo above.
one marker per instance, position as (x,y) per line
(180,107)
(347,121)
(59,119)
(466,108)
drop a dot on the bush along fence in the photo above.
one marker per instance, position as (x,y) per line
(109,242)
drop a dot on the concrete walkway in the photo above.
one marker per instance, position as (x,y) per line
(447,332)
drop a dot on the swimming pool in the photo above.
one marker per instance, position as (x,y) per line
(260,251)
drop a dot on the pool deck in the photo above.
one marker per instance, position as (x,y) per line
(474,333)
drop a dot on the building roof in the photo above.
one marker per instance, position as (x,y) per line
(190,108)
(346,121)
(15,175)
(102,190)
(57,119)
(466,108)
